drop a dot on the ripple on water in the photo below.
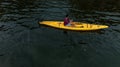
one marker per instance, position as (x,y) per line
(22,40)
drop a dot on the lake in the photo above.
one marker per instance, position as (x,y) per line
(23,43)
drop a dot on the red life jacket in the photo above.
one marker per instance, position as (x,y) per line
(66,21)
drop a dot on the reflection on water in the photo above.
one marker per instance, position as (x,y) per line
(24,44)
(103,5)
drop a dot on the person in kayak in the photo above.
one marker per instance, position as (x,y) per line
(67,21)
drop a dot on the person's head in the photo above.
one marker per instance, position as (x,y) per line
(67,15)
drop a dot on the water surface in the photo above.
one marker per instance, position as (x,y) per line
(24,44)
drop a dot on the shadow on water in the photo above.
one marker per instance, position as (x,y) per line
(24,44)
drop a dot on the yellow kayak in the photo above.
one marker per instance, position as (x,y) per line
(79,26)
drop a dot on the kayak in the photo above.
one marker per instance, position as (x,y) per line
(78,26)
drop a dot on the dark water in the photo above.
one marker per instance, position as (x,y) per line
(24,44)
